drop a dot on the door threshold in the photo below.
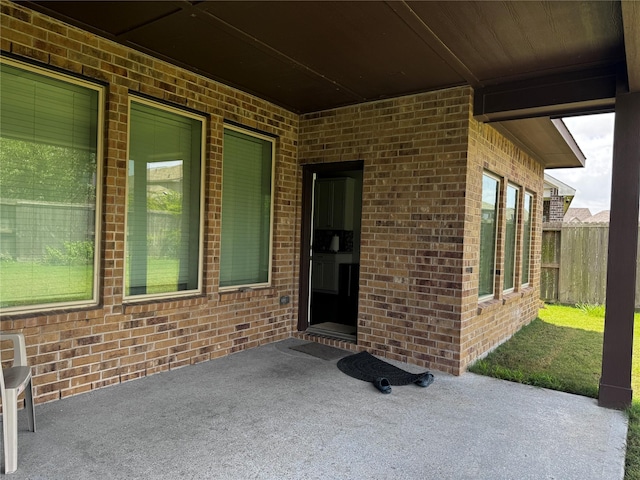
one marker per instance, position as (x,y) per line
(333,330)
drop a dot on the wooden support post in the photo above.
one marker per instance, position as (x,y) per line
(617,353)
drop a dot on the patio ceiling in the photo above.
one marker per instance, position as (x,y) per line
(527,61)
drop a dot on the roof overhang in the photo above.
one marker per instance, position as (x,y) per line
(573,93)
(548,140)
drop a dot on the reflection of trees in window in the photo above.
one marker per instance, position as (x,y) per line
(511,220)
(164,207)
(50,173)
(489,212)
(164,197)
(526,237)
(49,139)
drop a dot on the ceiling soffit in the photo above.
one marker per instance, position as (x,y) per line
(631,20)
(350,52)
(547,140)
(507,41)
(524,59)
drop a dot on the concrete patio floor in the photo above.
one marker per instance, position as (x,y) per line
(275,413)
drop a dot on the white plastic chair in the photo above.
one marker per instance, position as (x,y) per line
(13,381)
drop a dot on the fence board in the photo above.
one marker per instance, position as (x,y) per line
(583,260)
(549,271)
(28,229)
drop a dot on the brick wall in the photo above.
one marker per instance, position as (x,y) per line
(556,207)
(77,351)
(487,324)
(423,161)
(423,157)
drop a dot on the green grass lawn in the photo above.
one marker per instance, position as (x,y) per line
(25,283)
(562,350)
(22,282)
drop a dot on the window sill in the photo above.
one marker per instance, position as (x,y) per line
(511,297)
(244,293)
(56,309)
(129,302)
(488,305)
(508,298)
(526,289)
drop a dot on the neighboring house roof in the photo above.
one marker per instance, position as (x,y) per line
(574,215)
(550,183)
(600,217)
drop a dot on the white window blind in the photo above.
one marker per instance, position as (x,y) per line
(511,219)
(526,237)
(49,131)
(163,202)
(246,210)
(488,225)
(45,110)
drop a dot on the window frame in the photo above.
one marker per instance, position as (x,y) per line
(527,259)
(272,141)
(97,224)
(516,225)
(499,180)
(203,128)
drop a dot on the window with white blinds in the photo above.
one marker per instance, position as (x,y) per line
(50,144)
(488,237)
(247,204)
(527,216)
(164,201)
(510,240)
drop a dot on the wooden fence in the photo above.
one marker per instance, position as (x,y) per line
(28,229)
(574,263)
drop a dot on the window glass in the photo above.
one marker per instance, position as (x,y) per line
(49,171)
(164,191)
(245,256)
(488,222)
(511,220)
(526,237)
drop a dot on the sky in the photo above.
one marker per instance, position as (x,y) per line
(594,136)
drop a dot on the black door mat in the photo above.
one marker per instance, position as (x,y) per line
(318,350)
(366,367)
